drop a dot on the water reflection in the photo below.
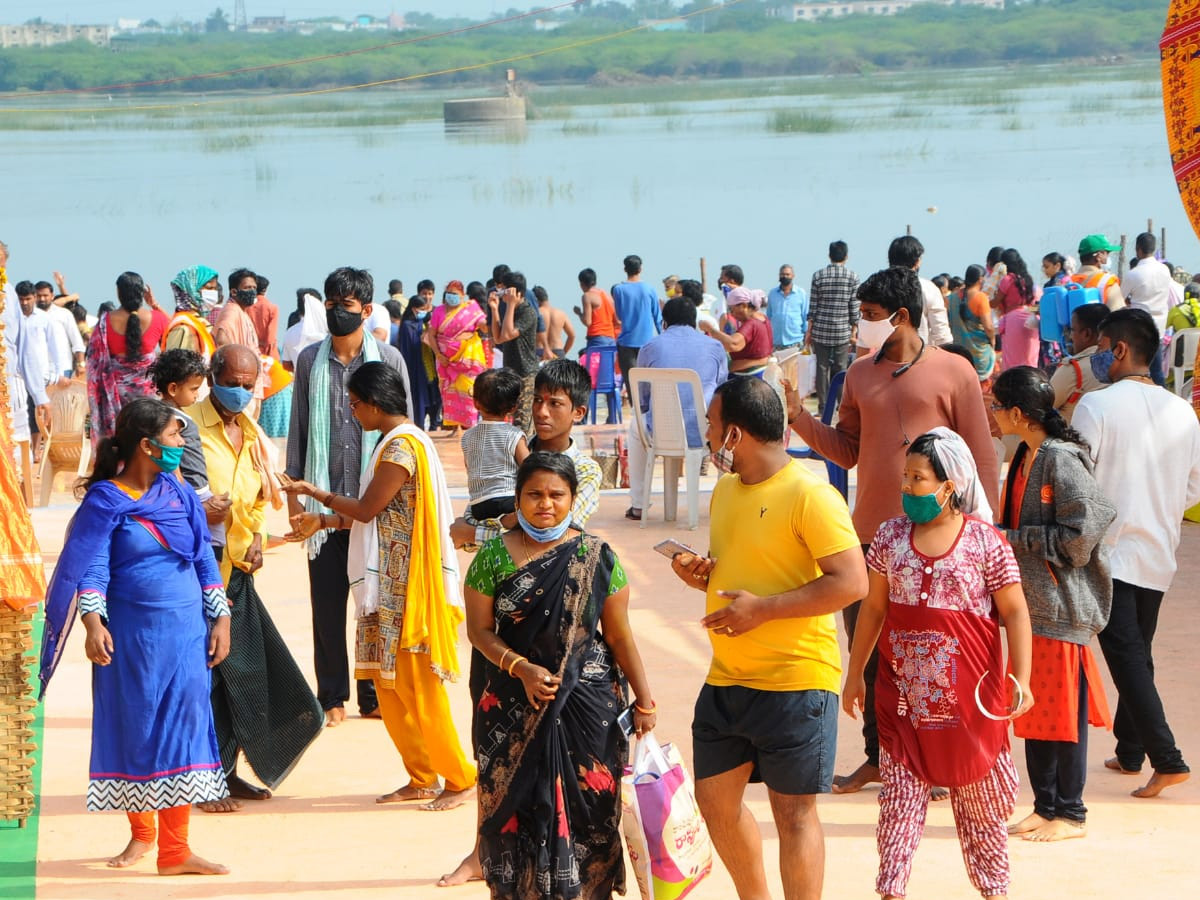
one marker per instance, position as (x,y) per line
(508,131)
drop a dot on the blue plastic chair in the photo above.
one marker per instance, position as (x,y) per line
(604,382)
(838,477)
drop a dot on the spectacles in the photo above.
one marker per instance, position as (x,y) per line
(996,407)
(354,404)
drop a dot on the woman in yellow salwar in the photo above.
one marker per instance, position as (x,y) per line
(407,593)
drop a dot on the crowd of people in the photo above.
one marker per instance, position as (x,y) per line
(970,603)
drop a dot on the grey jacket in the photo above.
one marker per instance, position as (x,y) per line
(1059,544)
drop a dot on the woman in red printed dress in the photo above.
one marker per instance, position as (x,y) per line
(942,581)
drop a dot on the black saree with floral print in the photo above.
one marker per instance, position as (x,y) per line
(550,778)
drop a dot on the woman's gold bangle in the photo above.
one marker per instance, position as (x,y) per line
(516,662)
(503,656)
(647,712)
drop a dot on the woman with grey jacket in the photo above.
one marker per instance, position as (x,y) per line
(1055,517)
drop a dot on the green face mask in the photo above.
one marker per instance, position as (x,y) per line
(170,459)
(921,508)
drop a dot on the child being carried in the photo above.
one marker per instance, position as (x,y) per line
(493,449)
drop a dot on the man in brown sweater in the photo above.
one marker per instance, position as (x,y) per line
(890,399)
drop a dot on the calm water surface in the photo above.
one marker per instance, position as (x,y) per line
(1030,158)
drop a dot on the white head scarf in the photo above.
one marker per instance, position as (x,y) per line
(956,459)
(314,327)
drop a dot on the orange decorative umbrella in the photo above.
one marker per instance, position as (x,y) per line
(1179,52)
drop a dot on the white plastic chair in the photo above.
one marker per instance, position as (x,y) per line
(1182,356)
(669,439)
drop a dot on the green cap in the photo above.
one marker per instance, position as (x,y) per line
(1094,243)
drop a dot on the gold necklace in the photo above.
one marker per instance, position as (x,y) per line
(525,547)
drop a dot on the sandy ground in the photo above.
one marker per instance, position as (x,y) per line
(323,833)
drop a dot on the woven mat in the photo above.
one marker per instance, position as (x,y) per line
(16,714)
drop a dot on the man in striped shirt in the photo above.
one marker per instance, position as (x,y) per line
(832,318)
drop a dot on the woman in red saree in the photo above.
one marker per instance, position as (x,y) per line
(453,335)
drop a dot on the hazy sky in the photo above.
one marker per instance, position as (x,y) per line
(107,11)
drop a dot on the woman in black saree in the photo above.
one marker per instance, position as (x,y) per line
(547,612)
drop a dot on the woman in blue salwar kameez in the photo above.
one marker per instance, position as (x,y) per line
(138,567)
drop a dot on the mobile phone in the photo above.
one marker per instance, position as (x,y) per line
(625,720)
(670,548)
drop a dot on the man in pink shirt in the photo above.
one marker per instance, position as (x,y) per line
(891,398)
(234,325)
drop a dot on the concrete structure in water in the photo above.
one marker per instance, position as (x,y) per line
(508,108)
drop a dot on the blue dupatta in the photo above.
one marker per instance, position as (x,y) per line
(169,505)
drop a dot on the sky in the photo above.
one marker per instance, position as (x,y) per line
(101,12)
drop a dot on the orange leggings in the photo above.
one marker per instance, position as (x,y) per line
(173,845)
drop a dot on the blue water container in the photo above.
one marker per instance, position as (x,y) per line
(1058,302)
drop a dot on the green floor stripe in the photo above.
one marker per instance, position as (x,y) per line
(18,846)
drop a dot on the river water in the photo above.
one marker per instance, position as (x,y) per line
(1031,158)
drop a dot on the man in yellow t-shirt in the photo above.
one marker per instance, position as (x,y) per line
(783,558)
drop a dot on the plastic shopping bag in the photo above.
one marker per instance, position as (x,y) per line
(668,842)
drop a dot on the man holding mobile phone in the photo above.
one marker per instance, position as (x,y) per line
(783,558)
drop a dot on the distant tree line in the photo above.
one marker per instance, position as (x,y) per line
(739,42)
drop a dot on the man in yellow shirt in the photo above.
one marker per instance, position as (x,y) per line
(262,704)
(783,558)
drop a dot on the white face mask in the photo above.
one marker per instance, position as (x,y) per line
(209,297)
(873,334)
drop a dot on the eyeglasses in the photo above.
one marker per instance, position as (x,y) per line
(996,407)
(354,404)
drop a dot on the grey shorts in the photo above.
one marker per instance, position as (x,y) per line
(789,736)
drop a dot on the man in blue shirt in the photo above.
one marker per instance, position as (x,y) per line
(787,311)
(638,312)
(680,346)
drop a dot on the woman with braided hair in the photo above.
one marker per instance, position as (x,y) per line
(1055,518)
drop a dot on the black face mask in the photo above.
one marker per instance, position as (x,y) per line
(342,321)
(246,297)
(785,282)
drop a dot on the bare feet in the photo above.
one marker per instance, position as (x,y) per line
(245,791)
(939,793)
(449,800)
(1030,823)
(856,780)
(133,851)
(468,870)
(228,805)
(1114,764)
(1058,830)
(335,717)
(194,865)
(1158,781)
(407,793)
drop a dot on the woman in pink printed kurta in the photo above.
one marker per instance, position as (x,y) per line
(941,582)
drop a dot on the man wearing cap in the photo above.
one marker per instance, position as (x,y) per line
(1093,257)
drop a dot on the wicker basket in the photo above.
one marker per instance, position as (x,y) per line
(16,715)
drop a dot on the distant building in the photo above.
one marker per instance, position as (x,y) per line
(267,24)
(674,24)
(49,35)
(396,22)
(546,25)
(836,9)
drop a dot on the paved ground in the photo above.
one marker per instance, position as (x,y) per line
(324,834)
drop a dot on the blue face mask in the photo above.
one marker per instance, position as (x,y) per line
(1101,362)
(232,399)
(921,508)
(452,299)
(543,535)
(170,459)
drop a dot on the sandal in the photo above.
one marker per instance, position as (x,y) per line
(634,514)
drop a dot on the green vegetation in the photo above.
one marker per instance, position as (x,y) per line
(738,43)
(806,121)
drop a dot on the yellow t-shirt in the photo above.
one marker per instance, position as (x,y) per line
(766,539)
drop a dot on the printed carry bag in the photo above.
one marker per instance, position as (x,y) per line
(668,842)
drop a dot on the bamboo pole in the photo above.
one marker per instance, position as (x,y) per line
(703,276)
(1120,261)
